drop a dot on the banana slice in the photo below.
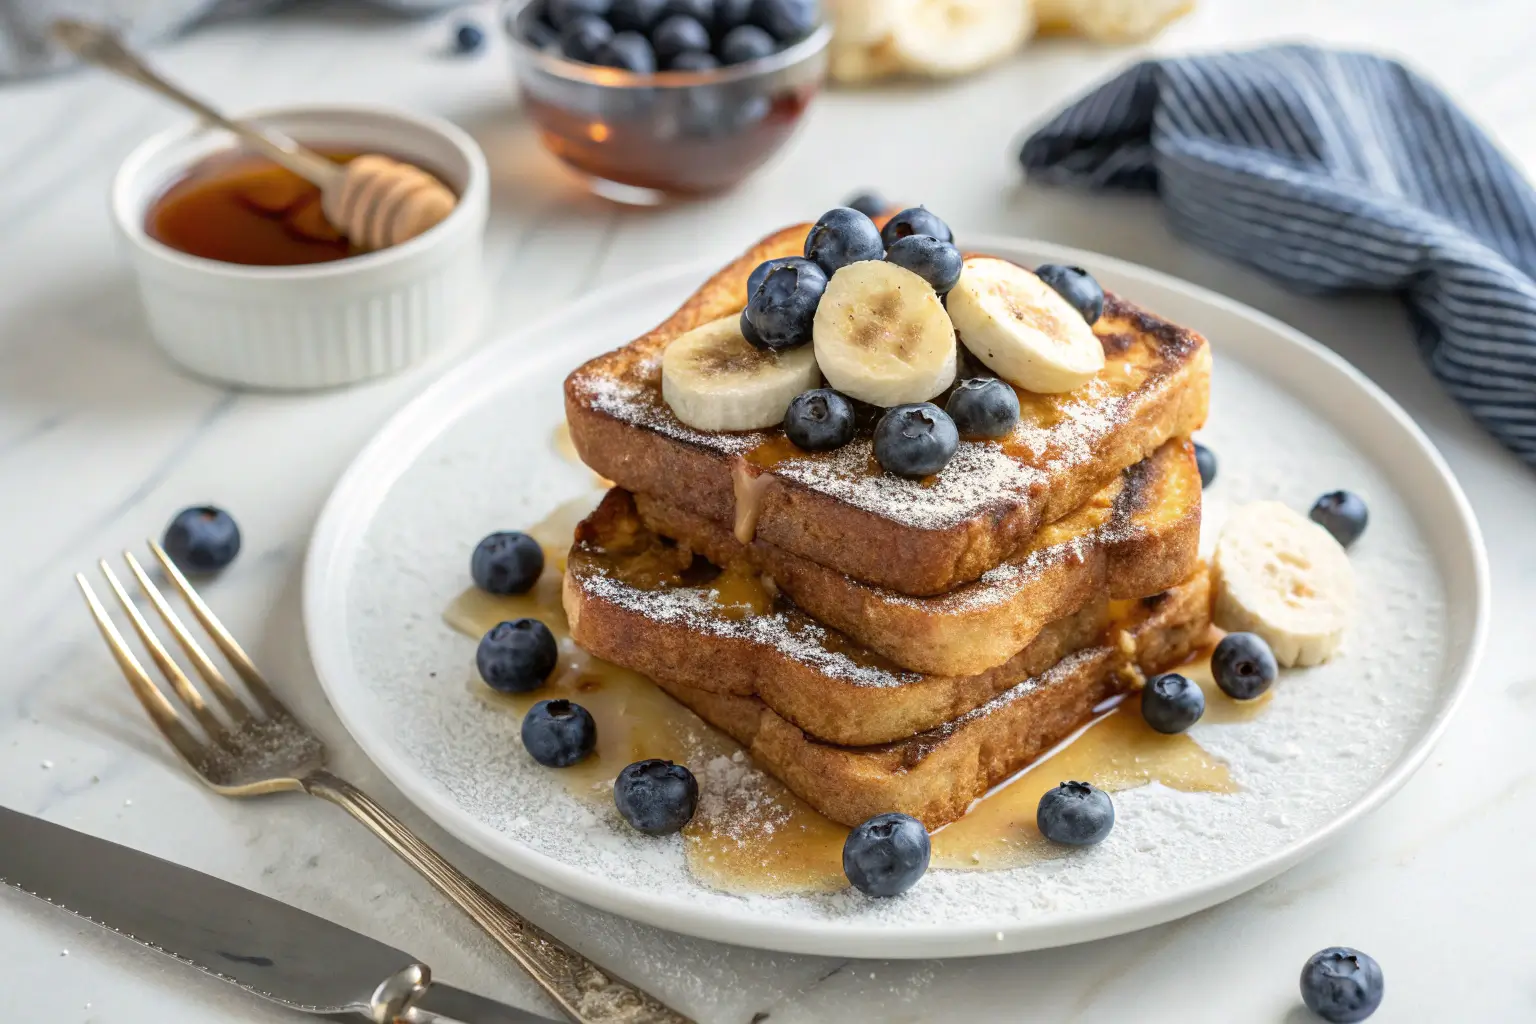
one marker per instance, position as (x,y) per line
(953,37)
(863,22)
(1110,21)
(714,379)
(1280,575)
(881,335)
(1020,327)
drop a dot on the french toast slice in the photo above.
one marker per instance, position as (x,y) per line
(1138,536)
(838,508)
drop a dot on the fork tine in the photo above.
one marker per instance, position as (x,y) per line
(160,710)
(244,667)
(205,668)
(168,667)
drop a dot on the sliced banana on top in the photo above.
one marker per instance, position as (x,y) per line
(1022,329)
(882,336)
(714,379)
(1280,575)
(952,37)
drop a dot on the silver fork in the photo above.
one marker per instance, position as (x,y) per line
(265,749)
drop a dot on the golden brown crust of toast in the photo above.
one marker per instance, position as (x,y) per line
(914,538)
(1136,537)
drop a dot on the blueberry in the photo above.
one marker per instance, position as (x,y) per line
(843,236)
(785,20)
(691,60)
(202,539)
(656,797)
(870,204)
(728,15)
(886,855)
(916,221)
(915,440)
(934,261)
(583,38)
(1172,703)
(540,34)
(1243,665)
(1206,460)
(558,733)
(1342,985)
(678,34)
(630,51)
(983,407)
(1075,285)
(783,308)
(1076,814)
(750,333)
(745,43)
(759,272)
(635,15)
(515,657)
(1343,514)
(699,10)
(506,562)
(468,38)
(819,420)
(562,12)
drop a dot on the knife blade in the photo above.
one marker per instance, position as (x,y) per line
(264,946)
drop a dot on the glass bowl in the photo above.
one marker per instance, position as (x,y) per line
(646,138)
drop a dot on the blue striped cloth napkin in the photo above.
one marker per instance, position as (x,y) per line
(1332,171)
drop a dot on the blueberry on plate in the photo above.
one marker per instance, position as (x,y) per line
(635,15)
(870,204)
(843,236)
(915,440)
(515,657)
(656,797)
(886,855)
(1243,665)
(936,262)
(1343,514)
(1172,703)
(729,14)
(506,562)
(629,51)
(698,10)
(745,43)
(693,60)
(583,38)
(916,221)
(1206,460)
(1342,985)
(783,308)
(468,38)
(785,20)
(562,12)
(819,420)
(1075,285)
(202,539)
(1076,814)
(759,272)
(677,35)
(983,407)
(558,733)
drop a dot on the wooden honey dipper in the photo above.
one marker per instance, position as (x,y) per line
(374,200)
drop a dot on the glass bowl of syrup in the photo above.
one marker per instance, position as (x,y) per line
(644,139)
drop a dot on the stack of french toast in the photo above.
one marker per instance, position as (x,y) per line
(883,638)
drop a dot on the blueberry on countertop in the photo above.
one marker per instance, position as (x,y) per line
(583,38)
(915,440)
(202,539)
(656,797)
(886,855)
(936,262)
(516,657)
(562,12)
(843,236)
(1343,514)
(783,308)
(635,15)
(785,20)
(870,204)
(1206,460)
(820,420)
(676,35)
(745,43)
(630,51)
(1076,814)
(1342,985)
(558,733)
(1243,665)
(693,60)
(468,38)
(1075,285)
(916,221)
(983,407)
(1171,703)
(506,562)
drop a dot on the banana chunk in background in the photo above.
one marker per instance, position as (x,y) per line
(882,336)
(712,378)
(1280,575)
(1110,21)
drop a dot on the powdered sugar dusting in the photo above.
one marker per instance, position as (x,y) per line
(637,399)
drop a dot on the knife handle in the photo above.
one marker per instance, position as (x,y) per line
(585,992)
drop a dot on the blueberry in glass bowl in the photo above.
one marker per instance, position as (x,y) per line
(649,101)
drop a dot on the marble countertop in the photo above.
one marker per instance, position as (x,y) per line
(101,440)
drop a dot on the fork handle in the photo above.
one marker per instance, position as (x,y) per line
(585,992)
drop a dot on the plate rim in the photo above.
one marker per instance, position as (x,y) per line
(323,604)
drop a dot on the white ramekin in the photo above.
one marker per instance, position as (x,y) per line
(323,324)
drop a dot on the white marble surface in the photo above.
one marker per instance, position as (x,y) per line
(100,440)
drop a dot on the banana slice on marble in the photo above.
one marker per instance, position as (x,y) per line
(714,379)
(952,37)
(1280,575)
(881,335)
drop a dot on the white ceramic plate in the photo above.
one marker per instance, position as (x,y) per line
(1289,421)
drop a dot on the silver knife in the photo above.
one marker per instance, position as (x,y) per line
(264,946)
